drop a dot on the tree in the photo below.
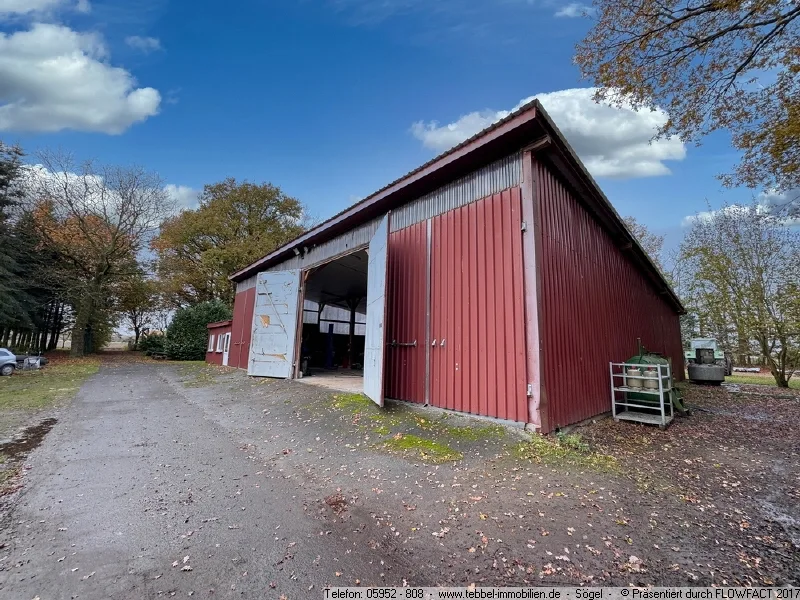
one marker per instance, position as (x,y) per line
(652,243)
(742,278)
(137,303)
(187,335)
(732,64)
(235,224)
(95,220)
(13,299)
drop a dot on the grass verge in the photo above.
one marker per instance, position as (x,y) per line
(27,393)
(794,382)
(36,390)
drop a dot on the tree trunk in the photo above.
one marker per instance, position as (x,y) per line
(81,327)
(58,326)
(136,333)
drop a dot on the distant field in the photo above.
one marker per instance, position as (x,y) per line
(761,379)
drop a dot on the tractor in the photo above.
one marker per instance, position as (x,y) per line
(706,362)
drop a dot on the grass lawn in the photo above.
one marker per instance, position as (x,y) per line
(28,392)
(794,382)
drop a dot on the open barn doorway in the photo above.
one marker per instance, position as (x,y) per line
(333,329)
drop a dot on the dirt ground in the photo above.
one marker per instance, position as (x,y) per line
(419,497)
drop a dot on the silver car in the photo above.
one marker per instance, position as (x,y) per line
(8,362)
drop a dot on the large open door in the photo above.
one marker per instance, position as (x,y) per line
(273,347)
(375,341)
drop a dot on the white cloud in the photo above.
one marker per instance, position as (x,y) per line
(611,142)
(574,10)
(145,44)
(53,78)
(781,202)
(24,7)
(707,215)
(32,7)
(785,205)
(183,195)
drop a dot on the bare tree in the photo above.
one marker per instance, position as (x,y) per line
(652,243)
(96,219)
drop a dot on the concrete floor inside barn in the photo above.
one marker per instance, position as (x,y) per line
(342,380)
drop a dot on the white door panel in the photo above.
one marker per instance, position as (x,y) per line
(272,349)
(375,340)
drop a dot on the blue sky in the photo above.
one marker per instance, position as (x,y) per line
(329,99)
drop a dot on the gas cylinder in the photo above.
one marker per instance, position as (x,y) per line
(633,372)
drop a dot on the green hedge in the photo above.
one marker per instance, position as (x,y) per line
(187,335)
(151,343)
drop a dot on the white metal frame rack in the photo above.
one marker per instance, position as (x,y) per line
(633,409)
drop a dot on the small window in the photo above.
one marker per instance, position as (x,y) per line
(211,343)
(219,343)
(227,342)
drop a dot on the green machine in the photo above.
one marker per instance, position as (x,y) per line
(721,358)
(672,395)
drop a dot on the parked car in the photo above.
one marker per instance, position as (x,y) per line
(8,362)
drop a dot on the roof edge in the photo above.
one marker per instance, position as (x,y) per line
(523,115)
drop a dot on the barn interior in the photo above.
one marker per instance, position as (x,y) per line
(334,323)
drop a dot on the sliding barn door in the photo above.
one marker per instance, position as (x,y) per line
(477,329)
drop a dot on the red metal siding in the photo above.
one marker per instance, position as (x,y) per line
(477,309)
(213,357)
(406,313)
(242,328)
(594,304)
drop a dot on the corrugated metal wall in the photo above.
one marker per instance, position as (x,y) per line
(406,313)
(246,284)
(492,178)
(594,304)
(477,316)
(242,328)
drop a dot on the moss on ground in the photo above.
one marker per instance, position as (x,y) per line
(428,451)
(568,450)
(388,420)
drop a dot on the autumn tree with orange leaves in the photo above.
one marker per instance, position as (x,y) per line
(95,220)
(711,64)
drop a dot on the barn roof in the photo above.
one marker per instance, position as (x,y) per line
(529,127)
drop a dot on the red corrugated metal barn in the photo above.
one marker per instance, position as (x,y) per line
(496,280)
